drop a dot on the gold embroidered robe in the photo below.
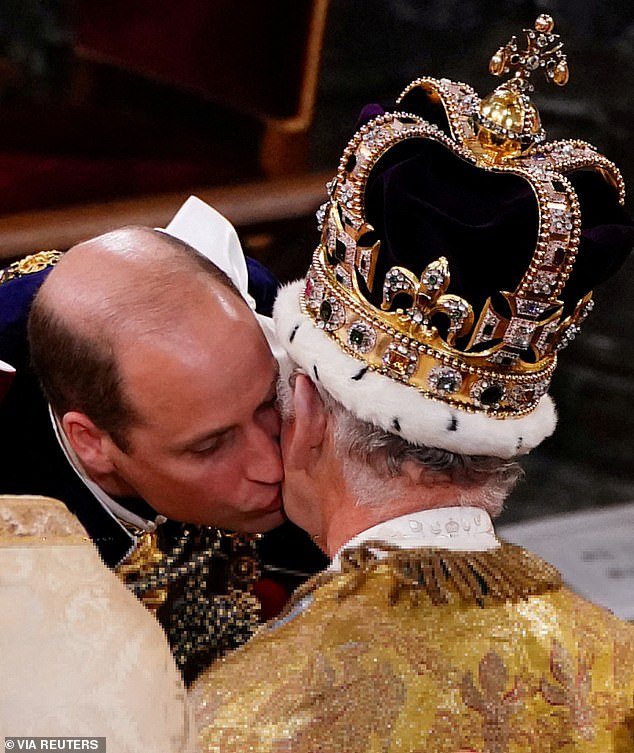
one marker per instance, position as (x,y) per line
(427,651)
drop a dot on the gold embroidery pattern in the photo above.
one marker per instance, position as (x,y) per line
(352,671)
(493,701)
(572,689)
(344,714)
(30,264)
(623,662)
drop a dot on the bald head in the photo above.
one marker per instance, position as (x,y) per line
(104,294)
(132,278)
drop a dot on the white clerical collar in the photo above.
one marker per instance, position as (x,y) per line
(455,528)
(114,509)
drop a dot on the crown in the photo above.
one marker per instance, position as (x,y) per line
(494,357)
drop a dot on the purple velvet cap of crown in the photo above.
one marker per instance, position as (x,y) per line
(425,202)
(368,113)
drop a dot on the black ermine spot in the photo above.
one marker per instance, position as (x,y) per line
(360,374)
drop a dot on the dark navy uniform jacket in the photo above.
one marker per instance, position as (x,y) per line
(31,461)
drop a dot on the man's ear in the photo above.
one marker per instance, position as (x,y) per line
(91,444)
(309,422)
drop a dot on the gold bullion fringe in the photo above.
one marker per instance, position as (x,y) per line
(509,573)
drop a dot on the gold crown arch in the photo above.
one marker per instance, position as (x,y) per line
(506,366)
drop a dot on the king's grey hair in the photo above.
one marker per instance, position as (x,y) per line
(372,461)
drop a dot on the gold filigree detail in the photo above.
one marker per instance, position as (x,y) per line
(30,264)
(143,562)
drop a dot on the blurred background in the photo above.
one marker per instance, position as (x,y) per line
(113,112)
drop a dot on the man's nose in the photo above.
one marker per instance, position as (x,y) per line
(264,459)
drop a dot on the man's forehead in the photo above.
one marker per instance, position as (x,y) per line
(209,327)
(186,386)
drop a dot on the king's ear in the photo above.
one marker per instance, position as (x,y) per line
(309,410)
(90,443)
(306,434)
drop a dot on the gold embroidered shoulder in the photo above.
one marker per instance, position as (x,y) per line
(427,651)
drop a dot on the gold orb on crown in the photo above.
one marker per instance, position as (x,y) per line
(508,123)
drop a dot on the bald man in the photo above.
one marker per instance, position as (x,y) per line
(113,356)
(162,390)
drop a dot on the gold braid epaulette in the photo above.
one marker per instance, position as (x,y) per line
(495,576)
(30,264)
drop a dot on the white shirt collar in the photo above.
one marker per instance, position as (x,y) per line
(455,528)
(114,509)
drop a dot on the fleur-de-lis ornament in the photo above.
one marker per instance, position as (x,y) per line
(494,701)
(428,298)
(572,688)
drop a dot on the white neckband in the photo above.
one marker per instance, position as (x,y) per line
(115,510)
